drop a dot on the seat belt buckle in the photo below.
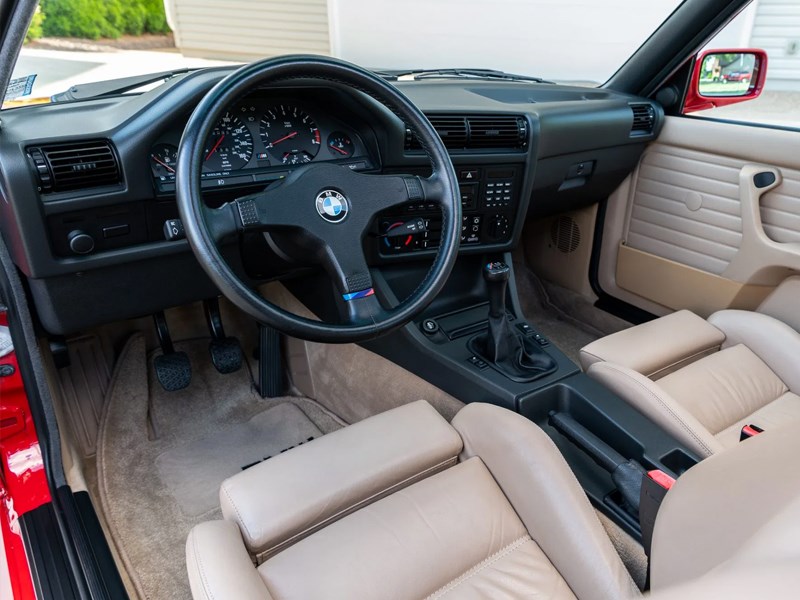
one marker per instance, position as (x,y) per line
(661,478)
(655,486)
(749,431)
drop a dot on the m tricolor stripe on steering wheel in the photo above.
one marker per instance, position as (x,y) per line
(357,295)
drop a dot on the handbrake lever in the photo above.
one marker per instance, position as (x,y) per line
(626,473)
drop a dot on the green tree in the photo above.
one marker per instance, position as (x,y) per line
(102,18)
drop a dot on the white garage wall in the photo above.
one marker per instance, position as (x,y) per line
(776,29)
(555,39)
(248,29)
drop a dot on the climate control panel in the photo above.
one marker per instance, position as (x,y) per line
(489,200)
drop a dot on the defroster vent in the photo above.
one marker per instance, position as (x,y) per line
(75,165)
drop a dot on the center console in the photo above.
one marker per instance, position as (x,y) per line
(437,347)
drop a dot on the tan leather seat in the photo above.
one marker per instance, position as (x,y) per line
(728,528)
(704,380)
(405,505)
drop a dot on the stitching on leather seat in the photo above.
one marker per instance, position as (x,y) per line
(273,550)
(683,362)
(504,551)
(664,405)
(199,563)
(238,514)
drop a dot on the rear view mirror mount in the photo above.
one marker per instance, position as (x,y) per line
(727,76)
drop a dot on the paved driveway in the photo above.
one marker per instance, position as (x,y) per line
(57,70)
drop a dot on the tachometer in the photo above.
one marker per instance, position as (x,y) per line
(290,135)
(230,145)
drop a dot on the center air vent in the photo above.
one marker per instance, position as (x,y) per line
(476,132)
(644,119)
(75,165)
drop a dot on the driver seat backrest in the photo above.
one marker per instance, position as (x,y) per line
(405,505)
(703,380)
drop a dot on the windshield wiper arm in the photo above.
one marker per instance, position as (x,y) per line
(414,74)
(112,87)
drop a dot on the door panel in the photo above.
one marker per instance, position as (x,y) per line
(710,219)
(686,208)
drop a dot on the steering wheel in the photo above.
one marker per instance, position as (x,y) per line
(325,209)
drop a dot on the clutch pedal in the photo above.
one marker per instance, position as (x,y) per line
(226,352)
(173,369)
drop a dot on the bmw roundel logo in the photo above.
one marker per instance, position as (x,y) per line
(332,206)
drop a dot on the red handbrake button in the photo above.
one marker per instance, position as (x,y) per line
(661,478)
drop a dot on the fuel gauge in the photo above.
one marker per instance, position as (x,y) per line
(340,144)
(163,159)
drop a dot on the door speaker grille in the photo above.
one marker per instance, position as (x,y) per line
(565,234)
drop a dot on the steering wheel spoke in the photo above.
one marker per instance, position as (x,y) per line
(435,189)
(221,222)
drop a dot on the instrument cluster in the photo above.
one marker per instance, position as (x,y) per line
(260,134)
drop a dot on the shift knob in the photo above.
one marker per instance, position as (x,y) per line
(497,275)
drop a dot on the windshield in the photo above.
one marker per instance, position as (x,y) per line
(73,42)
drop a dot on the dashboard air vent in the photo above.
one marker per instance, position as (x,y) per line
(75,165)
(644,119)
(476,132)
(497,132)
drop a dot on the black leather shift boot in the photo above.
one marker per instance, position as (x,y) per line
(519,358)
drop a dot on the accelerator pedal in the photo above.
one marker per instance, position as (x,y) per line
(270,368)
(173,369)
(226,352)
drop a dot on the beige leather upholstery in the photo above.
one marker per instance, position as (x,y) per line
(658,347)
(782,303)
(545,494)
(704,380)
(508,520)
(737,512)
(404,445)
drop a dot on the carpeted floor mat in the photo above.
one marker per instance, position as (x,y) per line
(209,431)
(567,318)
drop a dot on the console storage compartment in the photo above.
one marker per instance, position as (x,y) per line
(617,424)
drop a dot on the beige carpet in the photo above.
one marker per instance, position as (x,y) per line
(568,319)
(147,434)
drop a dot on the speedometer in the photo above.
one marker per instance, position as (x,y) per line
(290,135)
(230,145)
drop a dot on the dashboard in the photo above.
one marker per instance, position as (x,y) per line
(258,138)
(86,188)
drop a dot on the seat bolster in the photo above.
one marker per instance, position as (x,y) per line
(656,404)
(737,509)
(657,347)
(773,341)
(781,304)
(281,500)
(219,566)
(548,499)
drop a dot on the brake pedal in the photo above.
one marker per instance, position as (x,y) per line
(226,352)
(173,369)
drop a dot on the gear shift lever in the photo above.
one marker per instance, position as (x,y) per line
(496,275)
(506,349)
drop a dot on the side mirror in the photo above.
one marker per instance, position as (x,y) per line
(722,77)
